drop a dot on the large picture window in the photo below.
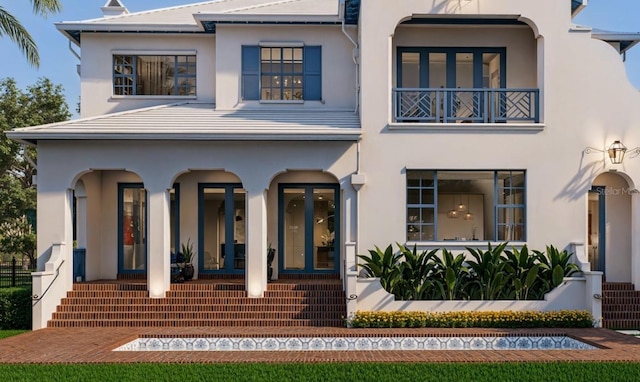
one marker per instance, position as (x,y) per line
(154,75)
(466,205)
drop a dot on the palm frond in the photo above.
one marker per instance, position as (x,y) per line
(11,27)
(45,8)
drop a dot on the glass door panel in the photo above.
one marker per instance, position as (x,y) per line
(133,230)
(294,229)
(213,228)
(410,70)
(239,222)
(324,209)
(309,228)
(222,228)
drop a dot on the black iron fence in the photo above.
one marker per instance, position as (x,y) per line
(15,273)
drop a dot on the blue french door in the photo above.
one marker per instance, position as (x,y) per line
(132,228)
(309,228)
(221,228)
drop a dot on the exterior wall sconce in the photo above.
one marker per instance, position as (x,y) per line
(616,151)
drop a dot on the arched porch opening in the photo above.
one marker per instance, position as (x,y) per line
(610,227)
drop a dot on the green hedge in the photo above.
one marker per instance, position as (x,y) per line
(15,308)
(500,319)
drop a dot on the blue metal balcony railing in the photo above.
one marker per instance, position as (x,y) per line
(441,105)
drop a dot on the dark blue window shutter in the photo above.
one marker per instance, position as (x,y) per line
(312,61)
(251,72)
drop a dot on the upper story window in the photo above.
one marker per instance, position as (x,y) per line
(466,205)
(154,75)
(280,73)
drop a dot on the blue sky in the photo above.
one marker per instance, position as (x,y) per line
(59,65)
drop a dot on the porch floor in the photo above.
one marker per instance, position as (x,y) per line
(95,345)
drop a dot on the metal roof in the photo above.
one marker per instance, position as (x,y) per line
(200,121)
(202,17)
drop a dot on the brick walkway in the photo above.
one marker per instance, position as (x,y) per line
(94,345)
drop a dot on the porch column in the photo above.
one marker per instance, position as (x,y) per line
(256,264)
(158,242)
(54,250)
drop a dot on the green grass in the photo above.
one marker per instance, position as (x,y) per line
(9,333)
(521,372)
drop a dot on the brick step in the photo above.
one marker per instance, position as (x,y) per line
(298,314)
(329,285)
(606,301)
(617,286)
(621,324)
(337,307)
(621,307)
(109,287)
(198,323)
(621,293)
(180,301)
(621,315)
(267,294)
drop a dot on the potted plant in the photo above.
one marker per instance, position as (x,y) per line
(187,255)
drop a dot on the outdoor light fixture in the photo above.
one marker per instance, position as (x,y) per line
(616,151)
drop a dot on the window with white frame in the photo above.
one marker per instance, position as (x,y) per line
(154,75)
(456,205)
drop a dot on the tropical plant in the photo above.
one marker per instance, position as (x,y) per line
(524,271)
(12,28)
(382,264)
(415,283)
(555,265)
(451,275)
(187,251)
(488,273)
(492,274)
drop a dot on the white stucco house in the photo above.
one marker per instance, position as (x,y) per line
(325,127)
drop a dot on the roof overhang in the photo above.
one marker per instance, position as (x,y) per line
(577,6)
(625,40)
(201,122)
(74,30)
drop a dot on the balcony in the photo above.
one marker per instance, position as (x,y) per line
(456,105)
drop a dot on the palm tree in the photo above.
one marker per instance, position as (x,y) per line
(11,27)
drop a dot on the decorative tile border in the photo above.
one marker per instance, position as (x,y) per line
(354,343)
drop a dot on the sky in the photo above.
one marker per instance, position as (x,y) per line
(59,65)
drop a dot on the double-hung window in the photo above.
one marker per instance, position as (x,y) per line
(466,205)
(281,73)
(154,75)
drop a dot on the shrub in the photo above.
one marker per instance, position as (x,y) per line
(501,319)
(15,308)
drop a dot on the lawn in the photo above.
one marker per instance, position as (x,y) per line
(521,372)
(9,333)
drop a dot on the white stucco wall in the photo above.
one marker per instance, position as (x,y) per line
(96,86)
(338,69)
(587,100)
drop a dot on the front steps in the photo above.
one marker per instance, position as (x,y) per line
(620,306)
(286,304)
